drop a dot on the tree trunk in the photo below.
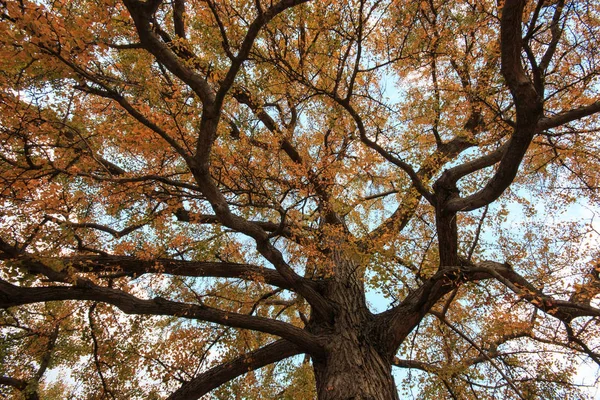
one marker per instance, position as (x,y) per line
(354,370)
(353,366)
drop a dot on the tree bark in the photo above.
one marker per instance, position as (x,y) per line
(354,370)
(355,365)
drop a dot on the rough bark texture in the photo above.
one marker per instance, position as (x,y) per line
(354,366)
(354,370)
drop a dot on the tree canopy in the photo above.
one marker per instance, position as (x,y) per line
(297,199)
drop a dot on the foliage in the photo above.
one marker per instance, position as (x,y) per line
(202,196)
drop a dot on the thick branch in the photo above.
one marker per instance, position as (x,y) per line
(11,295)
(47,356)
(165,55)
(556,32)
(28,392)
(397,323)
(136,267)
(178,23)
(176,267)
(411,199)
(487,160)
(567,116)
(187,216)
(223,373)
(529,109)
(561,309)
(18,384)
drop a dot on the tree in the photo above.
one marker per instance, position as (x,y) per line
(205,195)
